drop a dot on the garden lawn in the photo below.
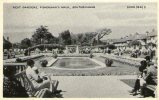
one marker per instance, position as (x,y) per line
(116,69)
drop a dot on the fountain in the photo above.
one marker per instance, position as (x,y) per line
(67,50)
(77,50)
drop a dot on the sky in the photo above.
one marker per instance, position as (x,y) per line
(21,23)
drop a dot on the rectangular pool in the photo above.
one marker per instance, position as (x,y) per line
(75,63)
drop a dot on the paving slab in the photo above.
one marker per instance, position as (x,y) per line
(94,86)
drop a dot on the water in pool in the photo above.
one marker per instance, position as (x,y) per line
(75,63)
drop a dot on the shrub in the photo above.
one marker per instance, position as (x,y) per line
(55,55)
(18,60)
(145,53)
(134,55)
(109,51)
(44,63)
(128,51)
(108,62)
(91,55)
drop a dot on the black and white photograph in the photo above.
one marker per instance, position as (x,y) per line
(80,50)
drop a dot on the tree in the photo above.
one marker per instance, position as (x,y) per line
(26,43)
(42,35)
(101,33)
(87,38)
(79,38)
(111,46)
(65,37)
(6,44)
(74,39)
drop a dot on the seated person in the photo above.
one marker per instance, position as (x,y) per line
(11,86)
(41,75)
(150,77)
(137,82)
(38,81)
(148,60)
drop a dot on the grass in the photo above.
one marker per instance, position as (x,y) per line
(116,69)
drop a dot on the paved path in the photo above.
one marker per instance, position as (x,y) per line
(94,86)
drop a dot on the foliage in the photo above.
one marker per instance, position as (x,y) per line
(18,60)
(134,55)
(151,44)
(100,34)
(65,37)
(91,55)
(44,63)
(6,44)
(55,55)
(108,62)
(111,46)
(25,43)
(42,35)
(80,38)
(16,45)
(103,32)
(109,51)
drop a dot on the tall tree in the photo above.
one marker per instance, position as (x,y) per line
(65,37)
(101,33)
(42,35)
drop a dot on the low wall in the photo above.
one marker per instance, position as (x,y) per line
(124,59)
(23,59)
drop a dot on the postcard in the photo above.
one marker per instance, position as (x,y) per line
(80,50)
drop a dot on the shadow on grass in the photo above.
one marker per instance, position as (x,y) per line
(129,82)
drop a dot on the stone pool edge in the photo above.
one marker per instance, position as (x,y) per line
(102,65)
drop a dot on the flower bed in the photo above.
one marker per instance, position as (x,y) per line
(125,60)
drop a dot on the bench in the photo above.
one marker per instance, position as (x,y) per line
(150,90)
(32,92)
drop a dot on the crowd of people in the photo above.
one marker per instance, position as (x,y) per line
(151,51)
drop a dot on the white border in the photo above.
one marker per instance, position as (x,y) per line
(58,1)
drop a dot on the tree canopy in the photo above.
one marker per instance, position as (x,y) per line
(6,44)
(25,43)
(100,34)
(42,35)
(65,37)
